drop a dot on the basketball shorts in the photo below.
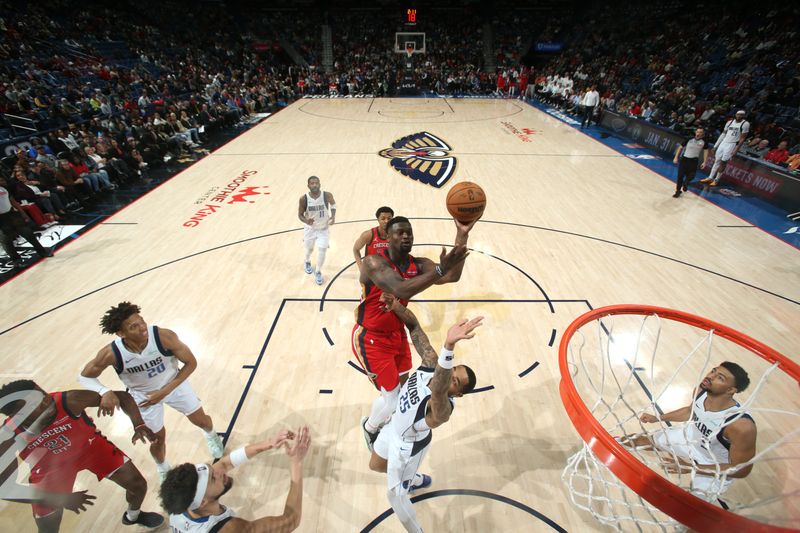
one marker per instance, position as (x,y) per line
(725,151)
(403,459)
(182,399)
(674,440)
(384,357)
(318,236)
(101,458)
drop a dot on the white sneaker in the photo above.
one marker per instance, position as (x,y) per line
(307,267)
(215,445)
(162,472)
(318,278)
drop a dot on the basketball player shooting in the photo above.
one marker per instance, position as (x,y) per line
(379,341)
(425,402)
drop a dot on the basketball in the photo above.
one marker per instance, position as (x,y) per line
(466,201)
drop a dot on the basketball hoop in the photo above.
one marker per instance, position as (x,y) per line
(409,50)
(617,483)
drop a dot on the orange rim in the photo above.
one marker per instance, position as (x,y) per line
(655,489)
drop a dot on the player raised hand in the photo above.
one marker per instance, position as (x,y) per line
(449,260)
(302,442)
(463,228)
(278,440)
(462,330)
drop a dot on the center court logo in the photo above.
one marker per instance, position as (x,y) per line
(218,197)
(422,157)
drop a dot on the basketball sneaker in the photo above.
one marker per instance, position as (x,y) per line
(369,437)
(686,186)
(162,471)
(215,445)
(421,481)
(706,180)
(713,184)
(318,278)
(307,267)
(145,519)
(677,194)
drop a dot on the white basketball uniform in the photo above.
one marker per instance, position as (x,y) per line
(149,371)
(404,441)
(317,209)
(731,135)
(183,523)
(703,441)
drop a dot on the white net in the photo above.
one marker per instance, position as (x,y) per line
(631,370)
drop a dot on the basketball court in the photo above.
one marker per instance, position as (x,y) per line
(216,254)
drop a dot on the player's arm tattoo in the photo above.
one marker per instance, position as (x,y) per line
(440,406)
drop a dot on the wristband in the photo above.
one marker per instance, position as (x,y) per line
(238,457)
(439,270)
(446,358)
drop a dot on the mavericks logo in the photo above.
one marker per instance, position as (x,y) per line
(422,157)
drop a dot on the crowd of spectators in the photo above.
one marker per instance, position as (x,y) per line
(114,92)
(683,68)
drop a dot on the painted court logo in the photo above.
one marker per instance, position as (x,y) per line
(214,199)
(422,157)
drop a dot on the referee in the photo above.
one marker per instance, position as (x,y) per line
(689,155)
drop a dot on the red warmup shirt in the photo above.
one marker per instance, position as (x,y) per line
(370,313)
(376,244)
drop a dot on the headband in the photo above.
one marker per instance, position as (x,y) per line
(202,484)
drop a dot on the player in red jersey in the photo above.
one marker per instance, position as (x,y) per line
(379,339)
(373,239)
(53,434)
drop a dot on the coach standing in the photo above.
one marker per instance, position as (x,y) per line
(686,157)
(590,101)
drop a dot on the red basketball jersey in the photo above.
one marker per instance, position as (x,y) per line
(376,243)
(370,313)
(62,442)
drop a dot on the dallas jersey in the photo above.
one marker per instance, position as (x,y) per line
(708,428)
(734,131)
(317,209)
(183,523)
(147,371)
(408,421)
(376,244)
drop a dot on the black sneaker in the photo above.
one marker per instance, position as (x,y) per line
(677,193)
(369,437)
(144,519)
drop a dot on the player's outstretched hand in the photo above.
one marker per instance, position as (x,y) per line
(278,440)
(144,434)
(77,501)
(647,418)
(463,228)
(297,452)
(451,259)
(108,403)
(462,330)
